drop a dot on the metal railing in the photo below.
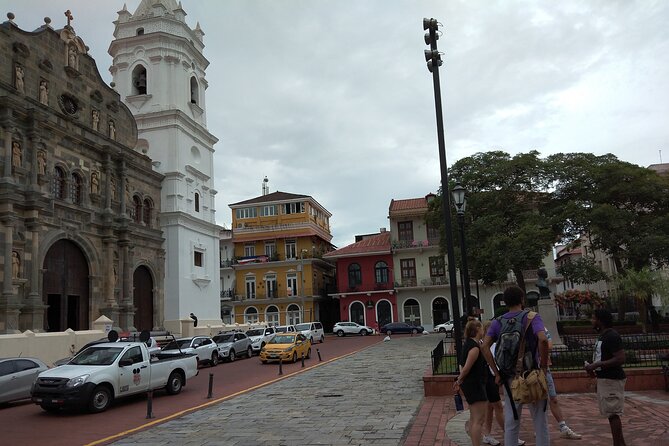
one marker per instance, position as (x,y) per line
(443,363)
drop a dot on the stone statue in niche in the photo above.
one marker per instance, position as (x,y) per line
(19,84)
(112,129)
(112,185)
(72,57)
(95,118)
(44,92)
(41,163)
(16,264)
(17,155)
(127,192)
(95,183)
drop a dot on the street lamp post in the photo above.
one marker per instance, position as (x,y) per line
(460,202)
(433,60)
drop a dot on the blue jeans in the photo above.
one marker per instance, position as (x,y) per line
(539,419)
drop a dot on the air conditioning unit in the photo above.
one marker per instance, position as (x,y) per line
(241,225)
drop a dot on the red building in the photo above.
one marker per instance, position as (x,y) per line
(365,282)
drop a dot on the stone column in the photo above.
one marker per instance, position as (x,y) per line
(548,314)
(34,310)
(111,308)
(8,303)
(7,173)
(108,169)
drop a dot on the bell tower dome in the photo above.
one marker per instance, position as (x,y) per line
(159,70)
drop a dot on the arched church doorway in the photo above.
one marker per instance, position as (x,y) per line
(142,283)
(384,313)
(65,290)
(440,311)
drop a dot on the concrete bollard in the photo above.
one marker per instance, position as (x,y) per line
(280,366)
(149,405)
(302,360)
(211,385)
(319,355)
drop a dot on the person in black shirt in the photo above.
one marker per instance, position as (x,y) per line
(607,366)
(472,379)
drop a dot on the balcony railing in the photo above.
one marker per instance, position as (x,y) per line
(407,244)
(226,263)
(228,294)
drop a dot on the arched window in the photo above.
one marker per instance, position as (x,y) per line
(58,186)
(293,315)
(137,209)
(251,316)
(412,312)
(146,212)
(197,202)
(357,313)
(381,272)
(194,93)
(354,275)
(272,315)
(140,31)
(139,80)
(76,188)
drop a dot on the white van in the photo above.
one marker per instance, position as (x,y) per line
(312,330)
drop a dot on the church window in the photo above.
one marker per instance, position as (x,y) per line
(139,80)
(76,189)
(146,217)
(140,31)
(59,183)
(197,258)
(137,209)
(194,94)
(197,202)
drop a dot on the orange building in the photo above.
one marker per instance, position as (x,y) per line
(280,276)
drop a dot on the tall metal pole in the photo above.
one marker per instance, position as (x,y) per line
(466,309)
(432,25)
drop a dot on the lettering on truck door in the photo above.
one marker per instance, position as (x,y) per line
(135,377)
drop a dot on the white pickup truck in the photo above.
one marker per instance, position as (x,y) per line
(103,372)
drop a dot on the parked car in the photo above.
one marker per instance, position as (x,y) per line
(401,327)
(17,376)
(446,327)
(312,330)
(351,328)
(204,348)
(285,329)
(260,336)
(231,345)
(286,346)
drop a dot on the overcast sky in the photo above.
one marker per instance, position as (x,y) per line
(331,98)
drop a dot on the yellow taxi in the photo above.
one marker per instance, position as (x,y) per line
(286,347)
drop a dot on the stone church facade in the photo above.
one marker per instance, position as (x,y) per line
(80,235)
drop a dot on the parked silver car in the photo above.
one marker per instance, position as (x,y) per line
(260,336)
(203,346)
(17,376)
(231,345)
(351,328)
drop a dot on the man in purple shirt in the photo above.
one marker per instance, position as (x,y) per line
(537,343)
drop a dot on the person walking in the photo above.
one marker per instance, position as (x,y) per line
(556,410)
(472,379)
(537,344)
(607,365)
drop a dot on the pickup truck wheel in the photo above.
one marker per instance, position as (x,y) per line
(214,359)
(340,333)
(231,356)
(174,383)
(249,352)
(100,399)
(322,339)
(363,332)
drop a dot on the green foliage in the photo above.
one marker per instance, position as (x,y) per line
(583,270)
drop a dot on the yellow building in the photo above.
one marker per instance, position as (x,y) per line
(280,276)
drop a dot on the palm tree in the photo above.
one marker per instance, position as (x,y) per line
(642,285)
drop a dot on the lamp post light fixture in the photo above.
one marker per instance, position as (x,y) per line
(433,60)
(460,202)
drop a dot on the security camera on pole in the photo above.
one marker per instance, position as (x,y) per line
(433,59)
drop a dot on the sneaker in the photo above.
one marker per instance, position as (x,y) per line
(565,432)
(487,439)
(521,442)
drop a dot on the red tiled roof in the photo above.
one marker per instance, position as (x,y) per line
(379,243)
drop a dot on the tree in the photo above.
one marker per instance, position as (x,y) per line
(506,226)
(641,286)
(583,270)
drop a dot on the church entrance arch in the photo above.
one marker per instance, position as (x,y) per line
(66,287)
(142,283)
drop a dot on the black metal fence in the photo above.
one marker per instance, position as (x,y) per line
(641,350)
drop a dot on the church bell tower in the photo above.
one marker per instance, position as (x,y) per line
(159,71)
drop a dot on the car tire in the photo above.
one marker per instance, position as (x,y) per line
(49,408)
(308,353)
(232,356)
(322,339)
(249,352)
(214,359)
(263,361)
(363,332)
(100,399)
(442,330)
(340,333)
(311,339)
(294,357)
(414,331)
(389,332)
(174,383)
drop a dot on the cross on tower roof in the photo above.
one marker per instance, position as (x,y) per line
(69,16)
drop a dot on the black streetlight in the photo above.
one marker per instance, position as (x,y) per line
(460,202)
(433,59)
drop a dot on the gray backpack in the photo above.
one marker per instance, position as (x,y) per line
(508,343)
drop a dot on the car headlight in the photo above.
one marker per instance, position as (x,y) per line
(288,349)
(76,382)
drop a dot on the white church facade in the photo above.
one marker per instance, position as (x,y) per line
(158,69)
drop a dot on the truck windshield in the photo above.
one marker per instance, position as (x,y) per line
(97,356)
(302,327)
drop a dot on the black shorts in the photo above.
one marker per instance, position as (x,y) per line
(474,392)
(492,389)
